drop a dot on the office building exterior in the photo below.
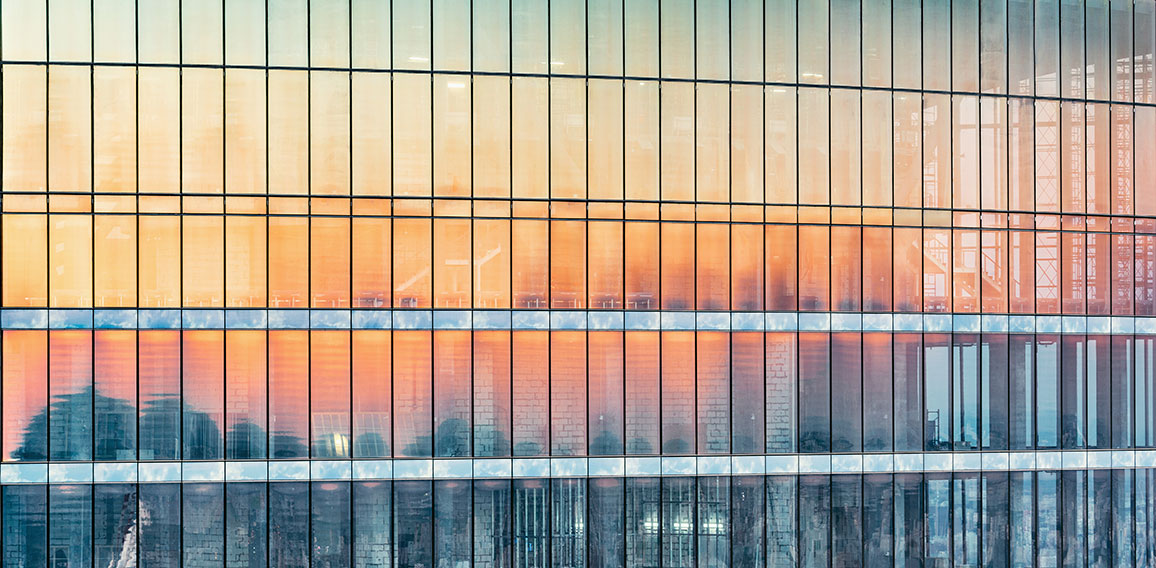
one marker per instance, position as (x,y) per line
(579,283)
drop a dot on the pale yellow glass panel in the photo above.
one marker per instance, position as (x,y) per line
(529,34)
(814,147)
(202,29)
(114,30)
(288,132)
(712,143)
(114,261)
(329,262)
(159,124)
(25,261)
(24,30)
(746,37)
(160,261)
(372,156)
(604,29)
(676,37)
(329,33)
(203,260)
(604,150)
(491,263)
(451,135)
(451,263)
(491,127)
(69,129)
(70,261)
(370,33)
(329,133)
(244,131)
(604,242)
(412,160)
(288,262)
(411,34)
(24,128)
(677,152)
(779,40)
(202,131)
(114,129)
(530,129)
(288,32)
(937,150)
(69,30)
(746,143)
(907,165)
(158,31)
(245,261)
(641,132)
(780,127)
(877,148)
(244,32)
(641,41)
(568,138)
(846,161)
(993,153)
(451,35)
(712,40)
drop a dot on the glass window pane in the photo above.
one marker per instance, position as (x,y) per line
(372,398)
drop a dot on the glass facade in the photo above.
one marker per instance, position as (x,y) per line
(517,283)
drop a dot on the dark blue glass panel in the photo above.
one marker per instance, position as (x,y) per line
(846,392)
(749,521)
(452,515)
(203,525)
(642,534)
(492,536)
(160,525)
(994,516)
(1073,391)
(878,548)
(1123,389)
(814,392)
(1021,497)
(782,546)
(25,525)
(1047,407)
(965,505)
(70,525)
(372,524)
(1123,484)
(1047,518)
(937,386)
(1100,517)
(331,533)
(1073,525)
(846,520)
(965,391)
(993,392)
(1100,391)
(878,397)
(413,522)
(1021,392)
(814,520)
(937,491)
(678,504)
(568,520)
(246,519)
(713,522)
(607,502)
(289,524)
(114,524)
(908,369)
(908,519)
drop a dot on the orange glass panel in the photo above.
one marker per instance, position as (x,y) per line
(329,386)
(451,135)
(567,393)
(846,268)
(1099,273)
(966,270)
(25,249)
(604,247)
(712,142)
(1074,279)
(203,393)
(530,128)
(70,261)
(70,394)
(567,138)
(288,126)
(246,411)
(288,394)
(1021,272)
(160,261)
(25,394)
(568,264)
(114,92)
(329,262)
(288,262)
(712,263)
(605,144)
(877,268)
(746,274)
(993,271)
(491,131)
(451,274)
(641,134)
(1047,259)
(372,393)
(202,130)
(529,253)
(937,270)
(329,132)
(69,129)
(372,153)
(452,413)
(747,393)
(531,392)
(412,393)
(1122,274)
(713,392)
(245,262)
(814,267)
(678,392)
(491,393)
(677,143)
(115,386)
(491,263)
(203,259)
(782,272)
(245,126)
(677,266)
(114,261)
(642,274)
(606,386)
(372,253)
(160,394)
(907,272)
(412,255)
(642,392)
(412,127)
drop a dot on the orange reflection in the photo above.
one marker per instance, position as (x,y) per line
(713,392)
(288,393)
(371,262)
(329,262)
(245,394)
(25,394)
(372,393)
(642,392)
(412,390)
(203,392)
(329,388)
(451,410)
(531,367)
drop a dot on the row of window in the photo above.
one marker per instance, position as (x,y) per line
(250,394)
(252,131)
(967,45)
(371,262)
(1094,518)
